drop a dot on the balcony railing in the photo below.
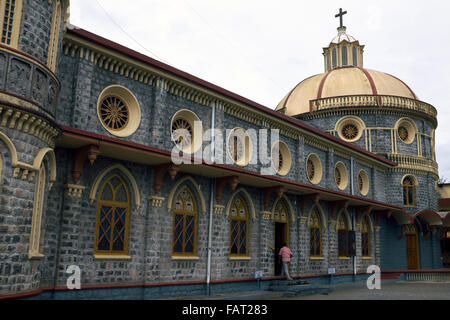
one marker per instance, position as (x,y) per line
(372,101)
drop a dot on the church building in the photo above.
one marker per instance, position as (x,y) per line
(145,181)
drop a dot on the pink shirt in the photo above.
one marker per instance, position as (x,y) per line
(285,254)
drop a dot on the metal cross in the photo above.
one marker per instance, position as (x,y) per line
(340,14)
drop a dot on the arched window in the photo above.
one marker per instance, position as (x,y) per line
(184,223)
(239,227)
(36,220)
(54,36)
(315,234)
(334,58)
(355,56)
(365,237)
(10,15)
(344,56)
(342,227)
(113,215)
(409,191)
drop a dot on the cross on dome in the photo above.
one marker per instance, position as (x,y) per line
(340,15)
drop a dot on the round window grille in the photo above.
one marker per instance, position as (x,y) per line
(350,131)
(310,170)
(337,176)
(363,183)
(403,133)
(114,113)
(182,133)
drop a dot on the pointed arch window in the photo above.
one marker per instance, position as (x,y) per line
(365,237)
(315,234)
(113,215)
(409,192)
(343,243)
(36,220)
(54,36)
(10,15)
(184,223)
(239,227)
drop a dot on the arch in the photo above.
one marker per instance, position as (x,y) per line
(11,148)
(36,220)
(289,206)
(52,162)
(369,219)
(250,204)
(429,216)
(346,216)
(322,215)
(126,172)
(196,187)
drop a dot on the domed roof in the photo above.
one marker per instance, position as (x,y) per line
(343,36)
(343,81)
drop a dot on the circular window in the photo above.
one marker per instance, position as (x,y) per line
(186,131)
(341,176)
(349,131)
(363,183)
(406,130)
(239,147)
(118,111)
(282,163)
(314,169)
(350,128)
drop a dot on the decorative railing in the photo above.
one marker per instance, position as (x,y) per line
(427,276)
(372,101)
(25,81)
(414,162)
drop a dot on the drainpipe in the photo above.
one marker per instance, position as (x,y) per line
(352,186)
(211,203)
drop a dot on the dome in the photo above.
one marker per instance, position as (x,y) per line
(343,81)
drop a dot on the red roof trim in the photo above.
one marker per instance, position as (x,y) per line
(369,77)
(164,67)
(412,92)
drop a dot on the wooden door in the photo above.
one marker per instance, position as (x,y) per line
(412,251)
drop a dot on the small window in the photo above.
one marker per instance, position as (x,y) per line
(118,111)
(239,227)
(365,237)
(315,234)
(334,58)
(184,223)
(344,56)
(406,130)
(283,164)
(341,176)
(363,183)
(350,128)
(355,56)
(314,169)
(113,211)
(409,191)
(342,236)
(36,221)
(239,147)
(54,36)
(10,15)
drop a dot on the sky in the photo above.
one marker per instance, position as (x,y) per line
(261,49)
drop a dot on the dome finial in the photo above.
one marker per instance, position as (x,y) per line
(340,15)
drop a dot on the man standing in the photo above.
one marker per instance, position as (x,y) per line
(285,256)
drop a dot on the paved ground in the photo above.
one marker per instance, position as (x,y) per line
(390,291)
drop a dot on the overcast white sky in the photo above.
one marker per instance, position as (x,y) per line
(261,49)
